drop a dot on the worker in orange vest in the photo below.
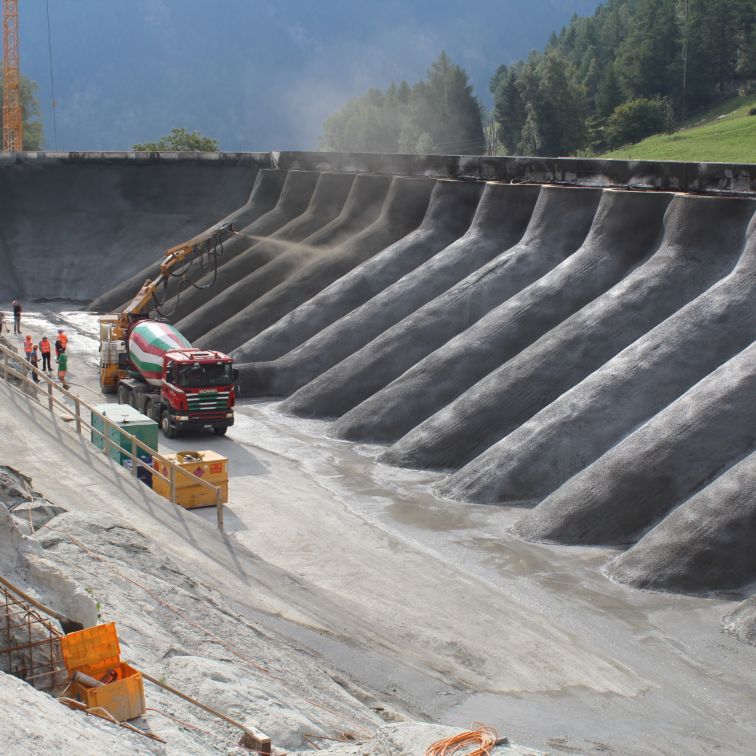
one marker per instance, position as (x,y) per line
(44,348)
(60,343)
(28,346)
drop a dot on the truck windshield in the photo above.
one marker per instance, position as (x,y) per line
(202,376)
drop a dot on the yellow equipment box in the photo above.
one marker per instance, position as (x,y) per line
(207,465)
(95,652)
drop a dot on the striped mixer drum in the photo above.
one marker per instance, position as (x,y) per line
(149,340)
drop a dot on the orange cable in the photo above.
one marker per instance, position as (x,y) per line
(482,736)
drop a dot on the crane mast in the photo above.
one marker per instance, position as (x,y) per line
(13,133)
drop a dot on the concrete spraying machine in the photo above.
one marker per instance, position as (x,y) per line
(152,367)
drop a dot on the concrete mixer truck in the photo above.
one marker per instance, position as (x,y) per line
(152,367)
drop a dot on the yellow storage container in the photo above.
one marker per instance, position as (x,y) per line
(95,651)
(207,465)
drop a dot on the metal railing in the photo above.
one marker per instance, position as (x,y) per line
(51,391)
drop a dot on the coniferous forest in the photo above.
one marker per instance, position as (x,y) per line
(438,114)
(634,68)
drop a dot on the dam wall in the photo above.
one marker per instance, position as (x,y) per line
(569,338)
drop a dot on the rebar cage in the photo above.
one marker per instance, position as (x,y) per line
(30,644)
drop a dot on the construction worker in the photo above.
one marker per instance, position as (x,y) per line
(60,343)
(28,346)
(44,348)
(16,316)
(34,359)
(62,367)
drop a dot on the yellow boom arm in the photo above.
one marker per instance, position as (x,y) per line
(174,257)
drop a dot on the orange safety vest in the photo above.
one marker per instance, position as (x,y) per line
(44,347)
(63,339)
(28,345)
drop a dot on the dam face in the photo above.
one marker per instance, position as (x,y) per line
(573,338)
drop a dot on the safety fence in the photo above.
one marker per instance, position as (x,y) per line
(51,394)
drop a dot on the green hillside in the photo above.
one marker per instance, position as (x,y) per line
(724,134)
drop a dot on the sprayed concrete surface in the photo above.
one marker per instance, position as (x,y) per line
(579,357)
(116,215)
(513,336)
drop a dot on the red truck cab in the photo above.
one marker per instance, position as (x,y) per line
(197,391)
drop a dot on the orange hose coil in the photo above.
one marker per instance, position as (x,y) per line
(482,736)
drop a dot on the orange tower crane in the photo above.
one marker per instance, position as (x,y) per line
(13,130)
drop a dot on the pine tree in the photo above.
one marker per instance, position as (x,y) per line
(509,109)
(449,110)
(556,112)
(649,54)
(438,114)
(716,32)
(608,95)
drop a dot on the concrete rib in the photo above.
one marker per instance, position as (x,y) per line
(675,454)
(560,221)
(264,195)
(706,544)
(447,217)
(402,212)
(449,213)
(499,222)
(704,238)
(566,436)
(625,232)
(361,208)
(300,218)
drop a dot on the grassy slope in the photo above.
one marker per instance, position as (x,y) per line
(724,134)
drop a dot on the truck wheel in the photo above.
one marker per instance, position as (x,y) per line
(220,430)
(149,410)
(124,394)
(168,430)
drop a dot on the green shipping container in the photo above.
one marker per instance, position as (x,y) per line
(131,421)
